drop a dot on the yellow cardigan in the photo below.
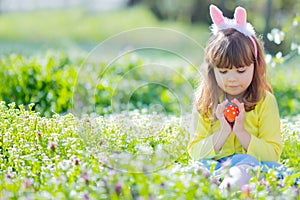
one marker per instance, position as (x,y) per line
(263,123)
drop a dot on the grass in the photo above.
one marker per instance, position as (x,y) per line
(134,155)
(79,27)
(284,79)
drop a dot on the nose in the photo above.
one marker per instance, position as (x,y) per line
(231,77)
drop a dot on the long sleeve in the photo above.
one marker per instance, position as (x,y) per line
(267,144)
(263,123)
(201,141)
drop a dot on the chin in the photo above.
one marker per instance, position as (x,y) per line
(234,93)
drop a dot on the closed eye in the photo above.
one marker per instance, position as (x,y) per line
(223,71)
(241,71)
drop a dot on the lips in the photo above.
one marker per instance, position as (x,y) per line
(232,86)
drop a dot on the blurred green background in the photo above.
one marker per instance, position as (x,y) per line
(46,50)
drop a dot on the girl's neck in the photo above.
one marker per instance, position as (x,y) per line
(229,97)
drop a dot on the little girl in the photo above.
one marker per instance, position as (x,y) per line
(235,73)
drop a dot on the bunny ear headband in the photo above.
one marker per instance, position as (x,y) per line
(239,23)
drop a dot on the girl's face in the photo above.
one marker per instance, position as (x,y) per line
(236,80)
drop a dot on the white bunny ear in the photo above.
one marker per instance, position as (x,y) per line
(239,22)
(216,15)
(240,16)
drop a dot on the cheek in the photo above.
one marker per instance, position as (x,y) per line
(220,80)
(247,79)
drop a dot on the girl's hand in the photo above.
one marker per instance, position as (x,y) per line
(225,126)
(238,128)
(239,120)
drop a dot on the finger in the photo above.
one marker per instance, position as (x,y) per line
(223,121)
(239,104)
(224,102)
(235,101)
(241,108)
(240,117)
(220,109)
(221,106)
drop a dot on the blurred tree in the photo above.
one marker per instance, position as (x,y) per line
(280,14)
(265,15)
(171,9)
(133,2)
(200,11)
(189,10)
(268,13)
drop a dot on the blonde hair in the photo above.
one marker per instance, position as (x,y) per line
(230,48)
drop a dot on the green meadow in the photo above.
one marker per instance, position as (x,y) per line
(80,121)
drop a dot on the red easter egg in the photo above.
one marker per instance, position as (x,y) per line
(231,112)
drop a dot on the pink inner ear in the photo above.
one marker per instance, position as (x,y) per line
(216,15)
(240,16)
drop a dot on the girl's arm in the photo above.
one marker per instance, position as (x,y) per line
(201,140)
(267,144)
(220,137)
(204,144)
(239,130)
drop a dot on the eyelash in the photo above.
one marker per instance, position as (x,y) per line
(224,72)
